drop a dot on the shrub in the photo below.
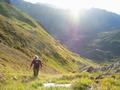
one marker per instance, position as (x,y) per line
(82,84)
(110,84)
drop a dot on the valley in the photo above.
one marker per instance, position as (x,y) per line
(22,37)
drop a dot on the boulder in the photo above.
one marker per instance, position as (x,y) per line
(90,69)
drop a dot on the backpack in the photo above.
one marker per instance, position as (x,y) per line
(37,64)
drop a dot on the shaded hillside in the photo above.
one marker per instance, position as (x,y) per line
(77,36)
(7,1)
(21,37)
(106,45)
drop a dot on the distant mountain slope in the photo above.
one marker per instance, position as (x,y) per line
(21,37)
(7,1)
(77,37)
(106,45)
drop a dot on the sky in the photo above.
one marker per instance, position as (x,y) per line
(76,5)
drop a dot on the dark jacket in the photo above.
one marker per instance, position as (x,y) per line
(36,64)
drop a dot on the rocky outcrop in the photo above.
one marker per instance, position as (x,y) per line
(112,68)
(91,69)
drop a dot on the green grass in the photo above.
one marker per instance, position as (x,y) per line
(82,84)
(79,81)
(111,83)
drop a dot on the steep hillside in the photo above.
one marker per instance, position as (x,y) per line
(78,35)
(49,17)
(21,38)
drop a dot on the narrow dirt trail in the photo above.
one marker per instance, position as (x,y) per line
(56,85)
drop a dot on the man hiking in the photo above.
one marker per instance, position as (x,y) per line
(37,64)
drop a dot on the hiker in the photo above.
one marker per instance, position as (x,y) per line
(37,64)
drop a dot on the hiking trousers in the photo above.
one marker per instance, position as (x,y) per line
(36,72)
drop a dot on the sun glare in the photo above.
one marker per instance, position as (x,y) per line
(80,4)
(76,9)
(74,6)
(75,13)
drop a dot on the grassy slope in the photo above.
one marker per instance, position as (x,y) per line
(21,37)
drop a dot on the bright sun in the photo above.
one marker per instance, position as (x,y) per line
(74,6)
(76,9)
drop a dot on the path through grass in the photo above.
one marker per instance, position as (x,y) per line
(78,81)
